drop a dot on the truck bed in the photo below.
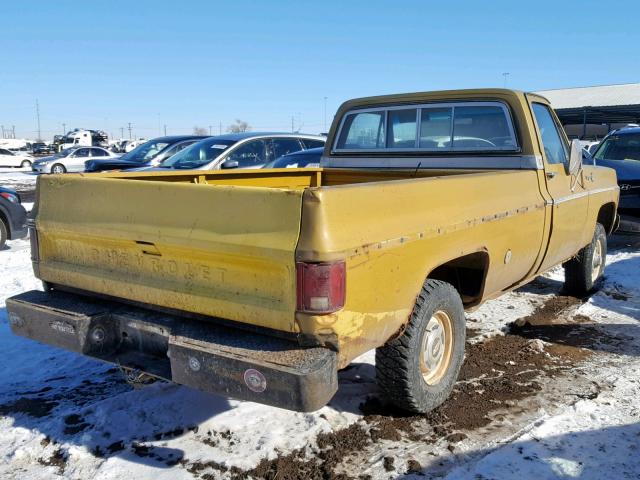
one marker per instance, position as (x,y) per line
(225,245)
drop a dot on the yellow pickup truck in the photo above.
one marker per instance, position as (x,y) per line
(262,284)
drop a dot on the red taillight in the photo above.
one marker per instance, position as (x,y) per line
(321,287)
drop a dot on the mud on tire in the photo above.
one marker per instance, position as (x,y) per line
(406,370)
(583,272)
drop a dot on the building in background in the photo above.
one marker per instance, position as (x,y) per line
(589,113)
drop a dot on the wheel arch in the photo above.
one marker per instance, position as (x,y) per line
(467,273)
(607,217)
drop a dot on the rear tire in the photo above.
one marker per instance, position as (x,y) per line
(417,370)
(583,272)
(4,233)
(58,168)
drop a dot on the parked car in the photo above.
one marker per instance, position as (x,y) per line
(302,159)
(262,284)
(149,154)
(240,150)
(70,159)
(40,148)
(13,159)
(620,150)
(13,216)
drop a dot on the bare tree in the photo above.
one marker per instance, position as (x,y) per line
(200,131)
(239,126)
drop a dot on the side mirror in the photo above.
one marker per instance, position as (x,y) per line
(227,164)
(575,157)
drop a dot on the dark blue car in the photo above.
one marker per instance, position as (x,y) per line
(620,150)
(13,216)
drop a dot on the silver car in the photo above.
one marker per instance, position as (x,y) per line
(71,159)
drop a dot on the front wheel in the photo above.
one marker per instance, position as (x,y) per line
(582,272)
(25,164)
(417,370)
(58,168)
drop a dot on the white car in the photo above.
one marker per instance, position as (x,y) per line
(71,159)
(14,159)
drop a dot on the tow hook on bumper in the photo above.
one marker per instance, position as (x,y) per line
(203,355)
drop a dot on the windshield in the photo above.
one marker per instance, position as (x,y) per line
(65,152)
(144,152)
(198,154)
(620,147)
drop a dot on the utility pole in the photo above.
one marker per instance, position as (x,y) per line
(505,75)
(64,129)
(38,115)
(13,130)
(121,132)
(325,115)
(292,128)
(220,128)
(209,130)
(2,126)
(129,130)
(165,129)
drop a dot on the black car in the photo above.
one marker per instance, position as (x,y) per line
(304,158)
(41,148)
(13,216)
(149,154)
(620,150)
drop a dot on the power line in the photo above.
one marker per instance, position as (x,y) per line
(129,130)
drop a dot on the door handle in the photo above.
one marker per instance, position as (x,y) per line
(550,174)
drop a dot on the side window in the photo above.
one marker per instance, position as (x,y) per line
(98,152)
(435,128)
(481,127)
(554,147)
(401,132)
(308,143)
(82,152)
(362,131)
(4,152)
(284,146)
(251,154)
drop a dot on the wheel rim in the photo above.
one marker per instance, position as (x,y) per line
(437,345)
(596,261)
(57,169)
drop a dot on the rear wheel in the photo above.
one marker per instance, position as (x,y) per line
(25,164)
(58,168)
(4,233)
(583,271)
(417,370)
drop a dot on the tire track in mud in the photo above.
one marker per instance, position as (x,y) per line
(498,374)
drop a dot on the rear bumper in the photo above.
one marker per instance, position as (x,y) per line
(206,356)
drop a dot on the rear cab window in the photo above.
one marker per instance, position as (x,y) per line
(475,126)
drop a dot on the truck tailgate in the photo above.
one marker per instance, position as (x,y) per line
(217,250)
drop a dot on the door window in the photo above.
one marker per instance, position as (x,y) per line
(250,154)
(284,146)
(309,143)
(554,146)
(98,152)
(81,153)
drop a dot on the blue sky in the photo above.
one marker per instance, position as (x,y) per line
(101,65)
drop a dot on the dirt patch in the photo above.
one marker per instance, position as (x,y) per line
(497,374)
(57,459)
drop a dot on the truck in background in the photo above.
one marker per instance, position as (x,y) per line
(83,138)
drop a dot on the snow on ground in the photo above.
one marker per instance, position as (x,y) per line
(17,177)
(83,420)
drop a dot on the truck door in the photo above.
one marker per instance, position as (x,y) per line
(570,201)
